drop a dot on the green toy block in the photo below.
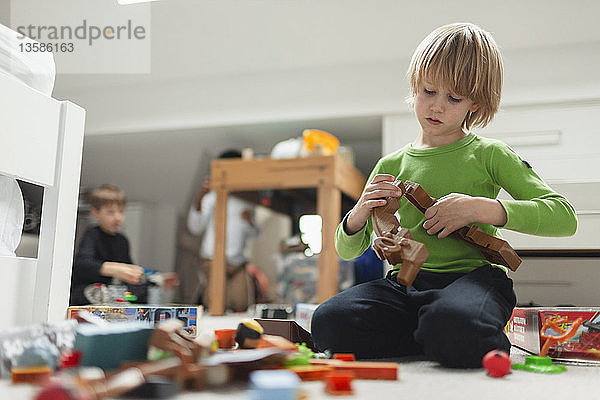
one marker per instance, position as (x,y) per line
(540,364)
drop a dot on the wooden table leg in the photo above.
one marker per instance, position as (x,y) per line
(216,283)
(329,207)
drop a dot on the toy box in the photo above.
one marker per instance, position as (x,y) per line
(304,314)
(523,330)
(188,314)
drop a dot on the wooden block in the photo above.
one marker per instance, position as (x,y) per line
(275,341)
(31,375)
(495,250)
(363,369)
(344,357)
(311,372)
(339,382)
(225,338)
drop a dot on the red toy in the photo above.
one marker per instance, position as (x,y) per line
(339,383)
(497,363)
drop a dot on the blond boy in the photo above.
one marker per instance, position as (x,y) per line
(457,307)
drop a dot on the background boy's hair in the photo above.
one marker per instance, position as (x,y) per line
(107,195)
(466,59)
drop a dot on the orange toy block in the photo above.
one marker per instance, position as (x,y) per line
(363,369)
(276,341)
(311,372)
(344,357)
(339,383)
(225,338)
(35,375)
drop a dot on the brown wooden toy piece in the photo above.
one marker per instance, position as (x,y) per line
(169,336)
(396,244)
(383,218)
(494,249)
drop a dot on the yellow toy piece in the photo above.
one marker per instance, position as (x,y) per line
(320,142)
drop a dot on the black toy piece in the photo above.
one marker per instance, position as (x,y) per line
(248,334)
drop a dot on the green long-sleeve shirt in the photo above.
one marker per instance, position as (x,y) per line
(475,166)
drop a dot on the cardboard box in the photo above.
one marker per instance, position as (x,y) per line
(523,330)
(189,314)
(304,314)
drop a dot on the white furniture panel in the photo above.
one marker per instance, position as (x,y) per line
(30,124)
(42,139)
(18,278)
(558,281)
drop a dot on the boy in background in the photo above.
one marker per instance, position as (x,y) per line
(103,253)
(459,303)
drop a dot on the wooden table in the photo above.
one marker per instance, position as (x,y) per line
(330,175)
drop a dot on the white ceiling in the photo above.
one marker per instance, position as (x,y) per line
(199,38)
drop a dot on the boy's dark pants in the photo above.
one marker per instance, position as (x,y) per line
(453,318)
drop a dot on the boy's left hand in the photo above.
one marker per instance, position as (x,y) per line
(450,213)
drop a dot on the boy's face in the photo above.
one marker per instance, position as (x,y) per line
(441,113)
(109,217)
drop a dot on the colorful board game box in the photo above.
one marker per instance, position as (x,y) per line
(188,314)
(304,314)
(523,330)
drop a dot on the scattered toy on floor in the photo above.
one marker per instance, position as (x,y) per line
(248,333)
(497,363)
(540,364)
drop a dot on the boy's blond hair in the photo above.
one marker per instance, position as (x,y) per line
(466,61)
(107,195)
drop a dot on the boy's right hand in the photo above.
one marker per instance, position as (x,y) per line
(126,272)
(374,195)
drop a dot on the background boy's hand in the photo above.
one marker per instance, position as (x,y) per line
(170,280)
(202,192)
(373,196)
(126,272)
(246,215)
(456,210)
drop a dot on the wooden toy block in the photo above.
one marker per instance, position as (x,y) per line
(275,341)
(339,383)
(273,385)
(384,218)
(225,338)
(418,196)
(288,329)
(311,372)
(494,249)
(31,375)
(169,336)
(363,369)
(394,244)
(344,357)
